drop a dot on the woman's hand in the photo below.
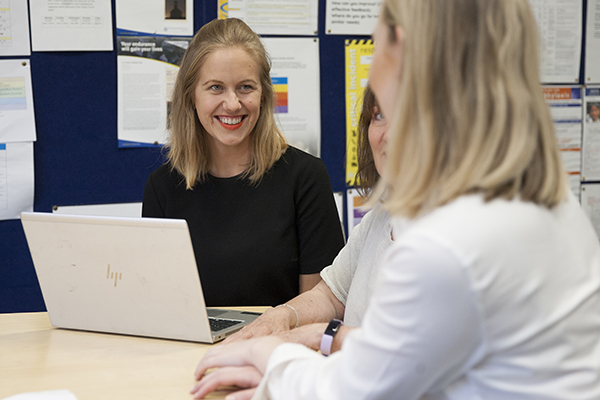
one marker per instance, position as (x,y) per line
(242,363)
(273,321)
(309,335)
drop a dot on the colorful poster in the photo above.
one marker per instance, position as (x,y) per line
(355,209)
(359,54)
(17,123)
(566,107)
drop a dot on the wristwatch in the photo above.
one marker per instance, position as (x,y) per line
(327,338)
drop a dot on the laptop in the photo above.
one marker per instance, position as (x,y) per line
(133,276)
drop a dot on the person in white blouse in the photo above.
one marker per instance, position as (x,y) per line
(492,291)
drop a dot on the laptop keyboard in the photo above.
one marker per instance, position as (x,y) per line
(217,324)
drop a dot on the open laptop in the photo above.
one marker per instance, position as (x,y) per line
(134,276)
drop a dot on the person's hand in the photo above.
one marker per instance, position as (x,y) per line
(242,363)
(273,321)
(247,377)
(309,335)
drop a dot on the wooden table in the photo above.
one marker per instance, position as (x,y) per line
(34,356)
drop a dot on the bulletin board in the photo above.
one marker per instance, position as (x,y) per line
(77,157)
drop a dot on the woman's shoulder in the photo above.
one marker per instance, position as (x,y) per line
(166,174)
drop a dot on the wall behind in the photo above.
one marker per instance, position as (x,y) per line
(77,160)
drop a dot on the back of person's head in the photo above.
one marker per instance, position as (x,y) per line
(188,149)
(474,119)
(366,175)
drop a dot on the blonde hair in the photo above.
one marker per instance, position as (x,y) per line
(474,119)
(187,146)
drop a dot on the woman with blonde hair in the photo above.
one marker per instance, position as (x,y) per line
(261,214)
(492,291)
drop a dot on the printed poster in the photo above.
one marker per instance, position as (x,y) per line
(16,179)
(591,134)
(566,108)
(351,17)
(155,17)
(592,43)
(14,28)
(590,203)
(17,123)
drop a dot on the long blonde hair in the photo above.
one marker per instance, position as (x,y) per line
(187,146)
(474,119)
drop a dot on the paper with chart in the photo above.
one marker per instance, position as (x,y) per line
(74,25)
(351,17)
(566,108)
(155,17)
(16,179)
(560,24)
(17,123)
(295,77)
(14,28)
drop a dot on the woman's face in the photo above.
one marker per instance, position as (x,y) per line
(227,98)
(386,68)
(378,129)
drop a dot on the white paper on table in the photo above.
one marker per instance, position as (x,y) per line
(592,43)
(560,25)
(146,71)
(351,17)
(155,17)
(16,179)
(277,17)
(295,76)
(14,28)
(591,135)
(590,202)
(74,25)
(17,123)
(46,395)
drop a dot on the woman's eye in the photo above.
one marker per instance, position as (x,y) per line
(215,87)
(378,116)
(246,87)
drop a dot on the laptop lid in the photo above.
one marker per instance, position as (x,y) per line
(134,276)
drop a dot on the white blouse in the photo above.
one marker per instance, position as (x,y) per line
(476,300)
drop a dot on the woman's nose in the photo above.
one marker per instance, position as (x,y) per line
(231,101)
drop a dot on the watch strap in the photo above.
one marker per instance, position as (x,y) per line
(327,338)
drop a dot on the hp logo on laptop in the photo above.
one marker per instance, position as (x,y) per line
(116,275)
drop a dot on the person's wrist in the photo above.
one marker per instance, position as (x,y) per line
(329,335)
(293,319)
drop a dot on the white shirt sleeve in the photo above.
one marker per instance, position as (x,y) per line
(422,332)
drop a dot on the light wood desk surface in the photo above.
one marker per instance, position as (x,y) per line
(34,356)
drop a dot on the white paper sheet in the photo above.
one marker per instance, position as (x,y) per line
(17,123)
(590,202)
(591,135)
(295,76)
(274,17)
(16,179)
(351,17)
(155,17)
(566,107)
(46,395)
(146,71)
(560,23)
(592,43)
(14,28)
(74,25)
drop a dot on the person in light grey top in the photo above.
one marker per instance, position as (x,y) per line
(347,284)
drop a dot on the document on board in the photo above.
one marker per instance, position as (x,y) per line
(355,209)
(146,70)
(560,25)
(351,17)
(17,123)
(74,25)
(16,179)
(592,43)
(14,28)
(155,17)
(295,77)
(274,17)
(591,134)
(590,202)
(566,108)
(359,55)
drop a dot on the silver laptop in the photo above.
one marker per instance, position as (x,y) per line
(134,276)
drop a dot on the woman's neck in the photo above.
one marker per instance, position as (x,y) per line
(228,162)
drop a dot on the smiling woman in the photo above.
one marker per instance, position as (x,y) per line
(261,213)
